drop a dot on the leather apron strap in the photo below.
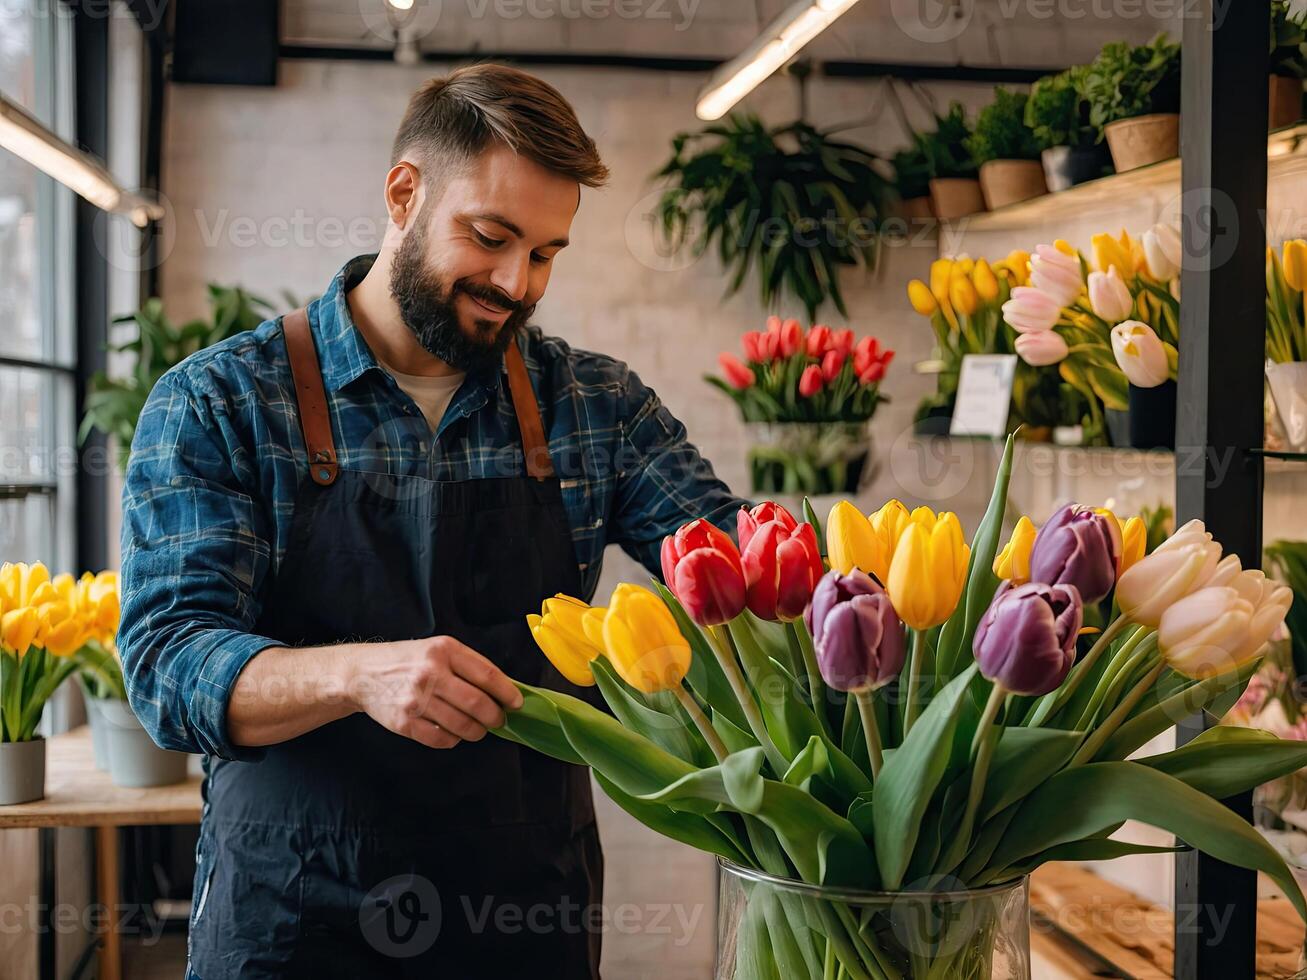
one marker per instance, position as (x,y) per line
(315,416)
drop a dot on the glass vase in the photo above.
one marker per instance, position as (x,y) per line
(810,457)
(769,927)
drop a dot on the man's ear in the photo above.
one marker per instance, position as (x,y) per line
(403,193)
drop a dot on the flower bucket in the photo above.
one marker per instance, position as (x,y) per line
(1288,384)
(1004,182)
(1066,166)
(810,931)
(810,457)
(915,208)
(22,771)
(955,197)
(1152,416)
(1285,102)
(1142,140)
(99,730)
(134,759)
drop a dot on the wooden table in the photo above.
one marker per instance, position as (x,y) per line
(79,795)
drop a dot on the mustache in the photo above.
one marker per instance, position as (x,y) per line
(490,296)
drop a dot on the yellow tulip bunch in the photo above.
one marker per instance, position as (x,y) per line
(962,302)
(1286,322)
(38,612)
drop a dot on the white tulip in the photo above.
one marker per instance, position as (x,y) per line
(1205,633)
(1163,251)
(1109,295)
(1140,354)
(1156,582)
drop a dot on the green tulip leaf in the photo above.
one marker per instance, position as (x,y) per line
(688,828)
(1092,849)
(1225,761)
(1023,759)
(705,674)
(676,734)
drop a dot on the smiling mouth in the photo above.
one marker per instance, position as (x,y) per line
(495,311)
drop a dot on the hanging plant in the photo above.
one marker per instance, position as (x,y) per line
(788,201)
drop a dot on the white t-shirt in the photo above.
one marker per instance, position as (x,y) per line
(432,395)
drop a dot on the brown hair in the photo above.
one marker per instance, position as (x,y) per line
(452,119)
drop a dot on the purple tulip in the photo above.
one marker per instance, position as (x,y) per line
(1077,547)
(1026,641)
(856,634)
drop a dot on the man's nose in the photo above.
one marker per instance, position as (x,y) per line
(511,275)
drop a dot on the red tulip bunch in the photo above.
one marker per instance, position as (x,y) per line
(792,375)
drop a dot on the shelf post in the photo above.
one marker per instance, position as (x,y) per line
(1222,353)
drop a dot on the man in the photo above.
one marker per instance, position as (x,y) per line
(333,528)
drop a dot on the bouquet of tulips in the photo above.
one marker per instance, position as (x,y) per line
(815,391)
(1286,336)
(898,711)
(44,623)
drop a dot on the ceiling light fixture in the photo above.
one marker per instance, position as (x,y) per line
(780,42)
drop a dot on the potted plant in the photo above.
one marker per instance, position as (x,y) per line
(1286,344)
(1005,148)
(954,189)
(1288,64)
(114,404)
(1134,101)
(39,631)
(808,399)
(912,181)
(100,672)
(880,753)
(1058,115)
(789,202)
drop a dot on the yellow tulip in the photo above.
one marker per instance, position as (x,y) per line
(60,630)
(26,585)
(643,642)
(1109,252)
(1295,263)
(963,265)
(941,274)
(962,294)
(1134,542)
(887,526)
(1013,562)
(850,542)
(921,298)
(928,572)
(559,633)
(1066,248)
(983,278)
(17,629)
(1017,264)
(592,625)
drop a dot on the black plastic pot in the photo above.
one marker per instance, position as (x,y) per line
(1066,166)
(935,421)
(1118,427)
(1152,416)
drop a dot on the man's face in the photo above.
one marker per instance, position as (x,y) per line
(471,269)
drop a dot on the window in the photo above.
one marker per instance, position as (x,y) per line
(37,429)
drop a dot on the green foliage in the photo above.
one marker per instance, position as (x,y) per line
(1124,81)
(1289,561)
(113,405)
(1001,131)
(1057,112)
(789,202)
(1288,41)
(911,171)
(945,149)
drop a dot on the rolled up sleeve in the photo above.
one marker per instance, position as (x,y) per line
(195,551)
(665,481)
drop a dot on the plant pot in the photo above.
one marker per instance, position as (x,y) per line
(1118,427)
(1142,140)
(1285,104)
(1288,384)
(810,457)
(99,730)
(955,197)
(1152,416)
(1066,166)
(1004,182)
(916,208)
(22,771)
(134,759)
(981,934)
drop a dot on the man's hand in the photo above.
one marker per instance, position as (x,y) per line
(435,691)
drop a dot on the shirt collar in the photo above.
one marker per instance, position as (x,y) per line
(343,353)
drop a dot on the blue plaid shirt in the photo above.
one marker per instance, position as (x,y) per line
(218,457)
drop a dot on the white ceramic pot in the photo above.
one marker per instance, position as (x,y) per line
(134,759)
(1288,384)
(22,771)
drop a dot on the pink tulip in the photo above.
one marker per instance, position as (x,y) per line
(831,365)
(818,340)
(810,381)
(1030,310)
(1041,348)
(1109,296)
(791,338)
(842,341)
(1054,272)
(738,374)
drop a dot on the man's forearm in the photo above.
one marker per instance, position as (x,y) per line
(284,692)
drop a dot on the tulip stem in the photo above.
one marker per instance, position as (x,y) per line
(701,722)
(867,709)
(1118,672)
(800,641)
(914,680)
(1105,731)
(728,657)
(1052,702)
(982,751)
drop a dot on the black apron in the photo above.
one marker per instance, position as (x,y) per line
(354,852)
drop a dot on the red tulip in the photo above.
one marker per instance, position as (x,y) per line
(842,341)
(874,373)
(769,347)
(751,345)
(774,325)
(818,340)
(781,568)
(702,566)
(791,338)
(750,520)
(831,365)
(867,351)
(738,374)
(810,381)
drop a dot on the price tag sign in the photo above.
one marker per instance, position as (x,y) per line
(984,395)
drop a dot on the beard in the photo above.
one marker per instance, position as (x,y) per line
(427,305)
